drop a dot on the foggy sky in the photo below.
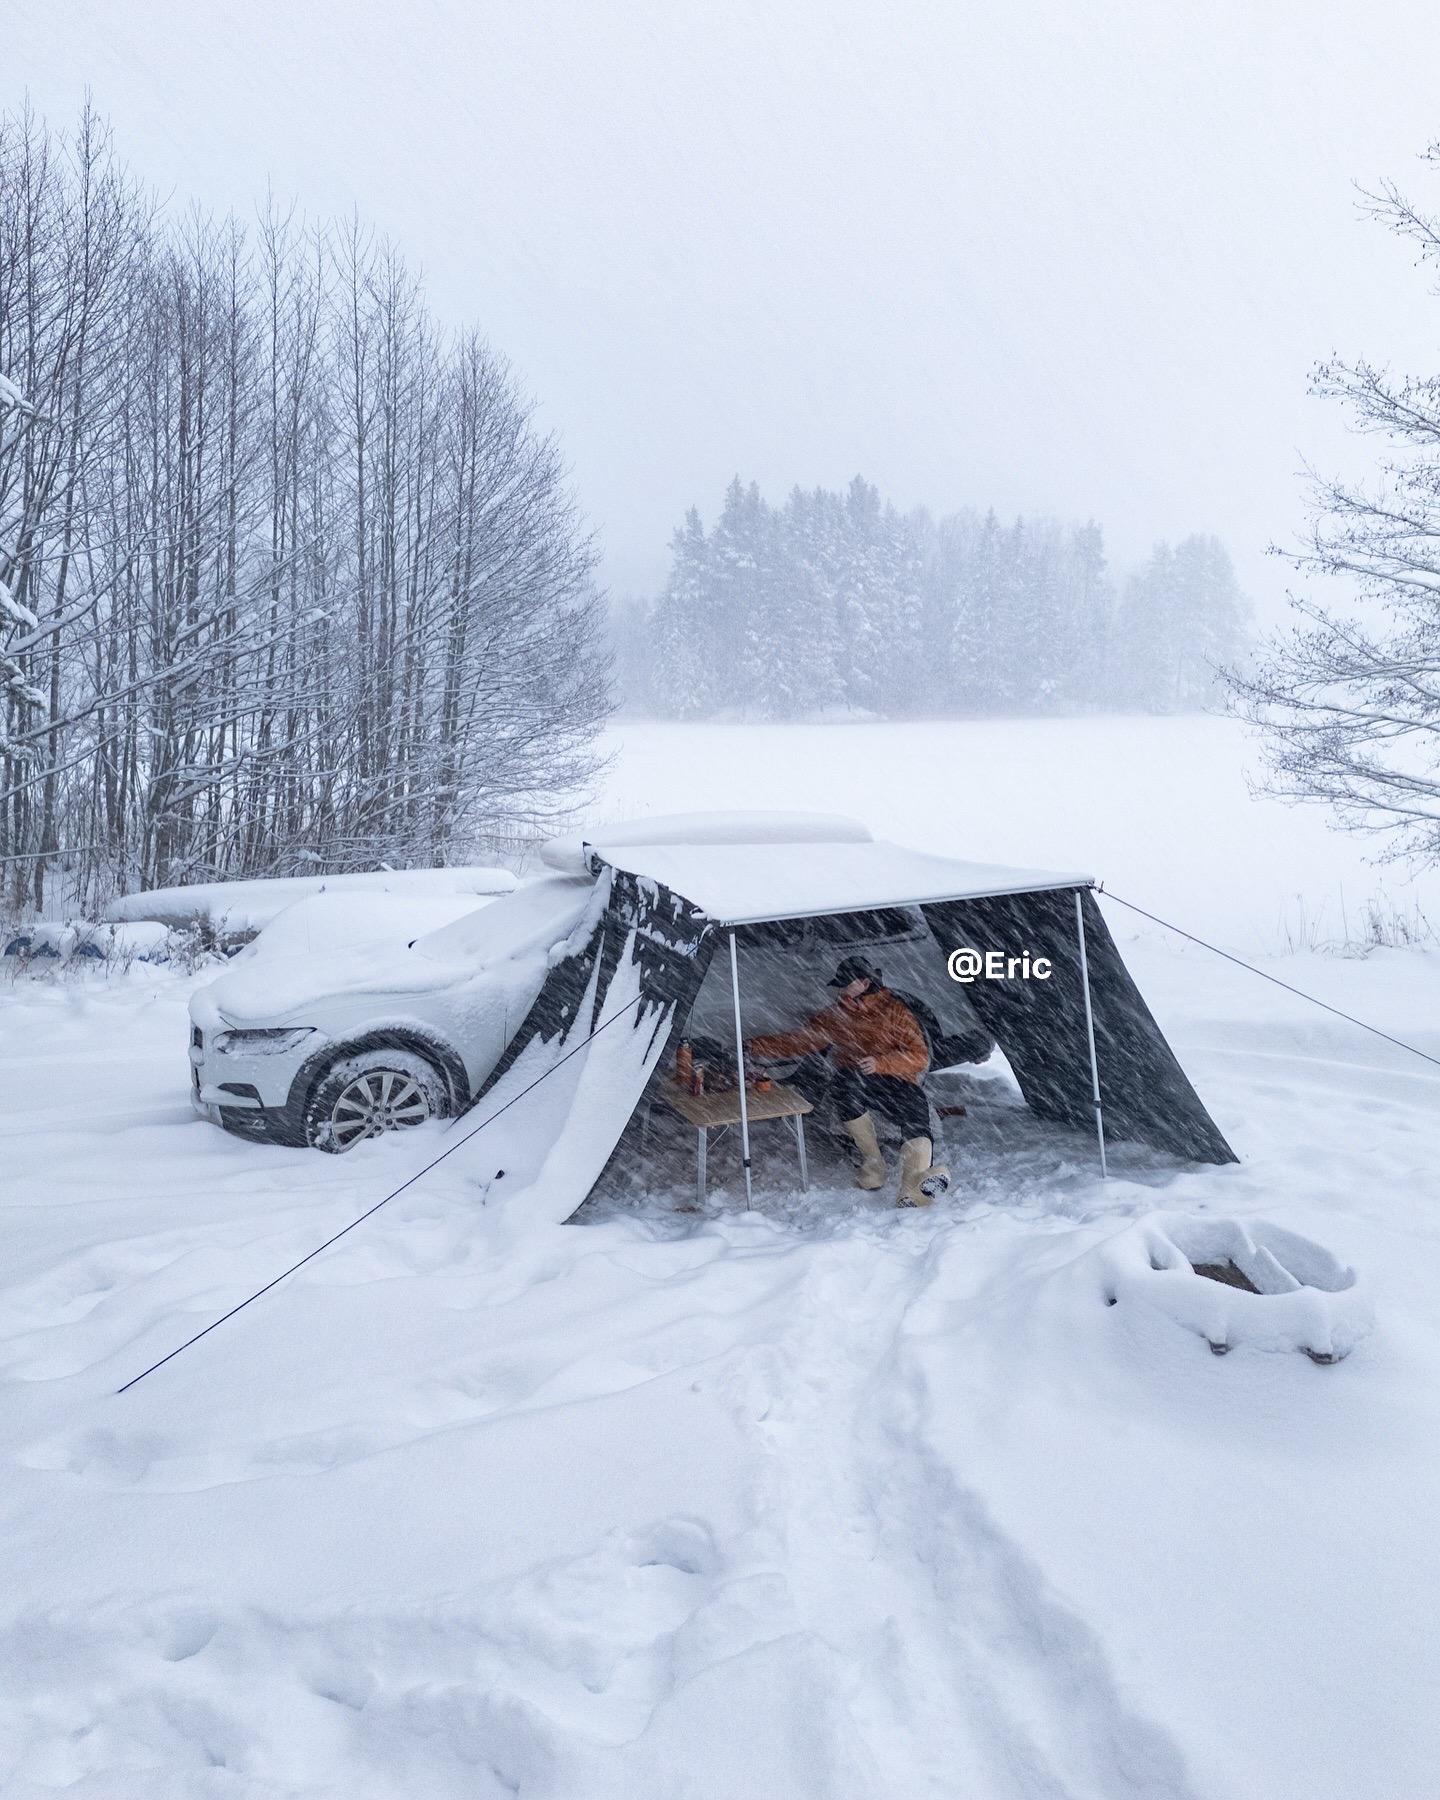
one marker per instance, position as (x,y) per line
(1073,259)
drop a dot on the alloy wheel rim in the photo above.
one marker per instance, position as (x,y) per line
(379,1100)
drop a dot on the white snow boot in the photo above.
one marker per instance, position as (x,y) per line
(921,1183)
(861,1132)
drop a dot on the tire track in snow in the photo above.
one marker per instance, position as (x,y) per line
(967,1675)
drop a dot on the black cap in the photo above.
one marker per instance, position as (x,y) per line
(854,968)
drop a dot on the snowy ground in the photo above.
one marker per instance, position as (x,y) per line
(816,1500)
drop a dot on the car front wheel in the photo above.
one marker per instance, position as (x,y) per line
(372,1092)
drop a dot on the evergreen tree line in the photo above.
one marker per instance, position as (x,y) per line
(288,580)
(840,602)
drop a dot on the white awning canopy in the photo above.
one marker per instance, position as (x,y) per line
(749,884)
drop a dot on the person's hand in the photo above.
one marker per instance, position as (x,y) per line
(866,1065)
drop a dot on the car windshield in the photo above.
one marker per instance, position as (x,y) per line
(538,914)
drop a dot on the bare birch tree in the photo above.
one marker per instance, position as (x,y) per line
(291,580)
(1350,697)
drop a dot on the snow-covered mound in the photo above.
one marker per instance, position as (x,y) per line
(1235,1284)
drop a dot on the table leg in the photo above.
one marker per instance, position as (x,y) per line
(702,1144)
(799,1119)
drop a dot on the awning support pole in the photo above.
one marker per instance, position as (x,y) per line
(740,1070)
(1089,1033)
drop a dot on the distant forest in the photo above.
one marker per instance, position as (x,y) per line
(840,603)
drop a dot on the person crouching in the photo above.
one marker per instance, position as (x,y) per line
(880,1058)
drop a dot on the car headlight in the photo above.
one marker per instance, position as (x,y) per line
(269,1042)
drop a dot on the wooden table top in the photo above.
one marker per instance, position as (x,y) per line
(723,1108)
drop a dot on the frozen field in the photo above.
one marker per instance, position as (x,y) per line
(1158,808)
(817,1501)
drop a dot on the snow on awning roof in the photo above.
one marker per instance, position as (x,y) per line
(748,884)
(570,855)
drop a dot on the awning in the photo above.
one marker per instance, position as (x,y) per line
(570,855)
(750,884)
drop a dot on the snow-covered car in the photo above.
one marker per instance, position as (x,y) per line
(342,1019)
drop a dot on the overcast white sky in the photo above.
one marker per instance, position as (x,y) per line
(1071,258)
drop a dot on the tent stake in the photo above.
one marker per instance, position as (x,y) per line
(1090,1034)
(740,1069)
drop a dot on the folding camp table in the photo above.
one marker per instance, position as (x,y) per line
(722,1108)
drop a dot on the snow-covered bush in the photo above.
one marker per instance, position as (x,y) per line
(73,946)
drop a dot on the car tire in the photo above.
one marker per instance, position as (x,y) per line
(372,1092)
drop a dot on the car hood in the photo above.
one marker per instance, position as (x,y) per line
(327,947)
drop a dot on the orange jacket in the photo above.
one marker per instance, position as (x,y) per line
(876,1025)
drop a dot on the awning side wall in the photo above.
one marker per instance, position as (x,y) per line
(575,1070)
(1040,1024)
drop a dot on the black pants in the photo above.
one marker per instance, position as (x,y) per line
(848,1094)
